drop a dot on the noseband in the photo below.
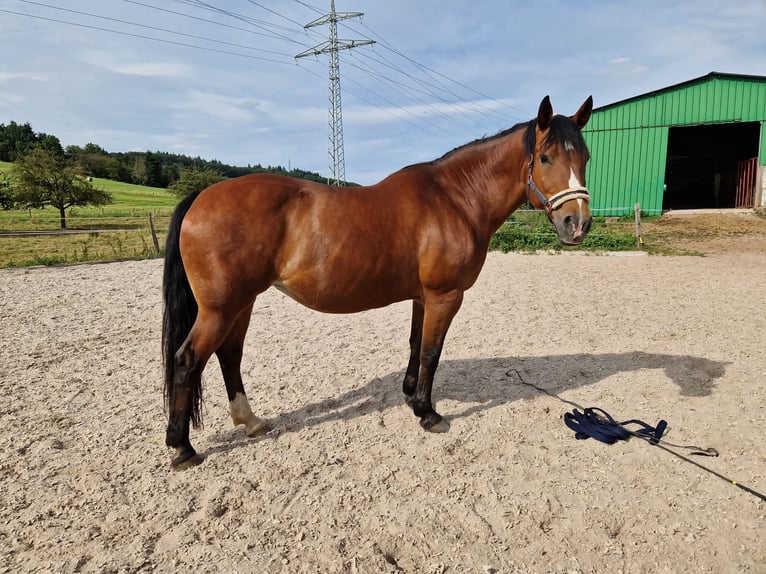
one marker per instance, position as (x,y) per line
(558,199)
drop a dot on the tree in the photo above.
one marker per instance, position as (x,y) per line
(7,200)
(95,161)
(138,170)
(15,140)
(43,178)
(193,179)
(153,170)
(50,143)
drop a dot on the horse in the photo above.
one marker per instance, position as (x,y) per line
(421,234)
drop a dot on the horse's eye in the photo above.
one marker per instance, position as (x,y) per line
(545,159)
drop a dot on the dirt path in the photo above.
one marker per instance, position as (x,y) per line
(348,482)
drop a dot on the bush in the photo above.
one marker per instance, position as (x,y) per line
(540,236)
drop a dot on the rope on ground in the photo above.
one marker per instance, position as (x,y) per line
(593,422)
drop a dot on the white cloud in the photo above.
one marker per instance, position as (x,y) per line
(197,103)
(9,77)
(623,66)
(153,69)
(124,64)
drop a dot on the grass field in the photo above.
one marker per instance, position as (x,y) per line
(119,230)
(131,205)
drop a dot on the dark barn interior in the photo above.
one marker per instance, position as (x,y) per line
(701,169)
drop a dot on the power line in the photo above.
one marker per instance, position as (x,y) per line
(417,94)
(274,12)
(263,25)
(133,35)
(206,20)
(155,28)
(387,110)
(430,87)
(400,114)
(429,71)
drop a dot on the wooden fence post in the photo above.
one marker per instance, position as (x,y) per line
(154,235)
(639,237)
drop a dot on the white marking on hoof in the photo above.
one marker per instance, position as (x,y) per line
(242,414)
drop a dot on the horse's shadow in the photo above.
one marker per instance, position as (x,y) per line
(489,382)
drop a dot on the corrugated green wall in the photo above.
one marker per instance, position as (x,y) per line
(628,140)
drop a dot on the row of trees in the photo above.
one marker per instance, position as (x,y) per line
(45,174)
(155,169)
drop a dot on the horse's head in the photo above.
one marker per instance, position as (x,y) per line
(557,155)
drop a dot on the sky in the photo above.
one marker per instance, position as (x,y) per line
(219,79)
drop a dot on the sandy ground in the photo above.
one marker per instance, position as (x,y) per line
(348,482)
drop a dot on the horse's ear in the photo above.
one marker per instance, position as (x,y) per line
(582,115)
(545,114)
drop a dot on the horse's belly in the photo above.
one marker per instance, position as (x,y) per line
(349,295)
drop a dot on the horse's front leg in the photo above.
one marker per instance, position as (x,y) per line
(439,310)
(416,336)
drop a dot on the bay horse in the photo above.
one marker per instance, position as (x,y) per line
(421,234)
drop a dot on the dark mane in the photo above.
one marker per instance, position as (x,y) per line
(486,139)
(563,129)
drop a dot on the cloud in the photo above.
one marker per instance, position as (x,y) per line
(9,77)
(153,69)
(462,109)
(198,103)
(127,65)
(622,66)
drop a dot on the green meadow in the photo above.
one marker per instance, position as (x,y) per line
(116,231)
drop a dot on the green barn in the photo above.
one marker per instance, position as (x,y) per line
(700,144)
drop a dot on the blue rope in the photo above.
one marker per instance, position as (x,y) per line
(599,424)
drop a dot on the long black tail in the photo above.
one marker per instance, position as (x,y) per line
(179,308)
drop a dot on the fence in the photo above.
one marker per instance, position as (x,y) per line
(36,238)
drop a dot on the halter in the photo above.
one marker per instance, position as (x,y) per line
(558,199)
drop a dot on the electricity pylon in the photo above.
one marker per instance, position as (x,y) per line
(332,46)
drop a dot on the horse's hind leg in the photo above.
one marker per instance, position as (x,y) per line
(230,357)
(210,328)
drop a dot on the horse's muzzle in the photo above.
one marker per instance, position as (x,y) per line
(572,225)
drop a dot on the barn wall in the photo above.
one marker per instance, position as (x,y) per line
(762,146)
(629,140)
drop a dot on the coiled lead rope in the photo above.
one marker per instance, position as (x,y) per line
(593,422)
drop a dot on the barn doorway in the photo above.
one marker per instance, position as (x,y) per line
(702,166)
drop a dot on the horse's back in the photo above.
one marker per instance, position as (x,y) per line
(332,249)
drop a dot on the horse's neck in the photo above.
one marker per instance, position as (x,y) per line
(488,178)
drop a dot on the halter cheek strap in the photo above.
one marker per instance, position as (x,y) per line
(556,200)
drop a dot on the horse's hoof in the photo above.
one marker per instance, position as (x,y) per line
(259,429)
(434,425)
(186,460)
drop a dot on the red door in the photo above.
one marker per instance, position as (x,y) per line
(746,172)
